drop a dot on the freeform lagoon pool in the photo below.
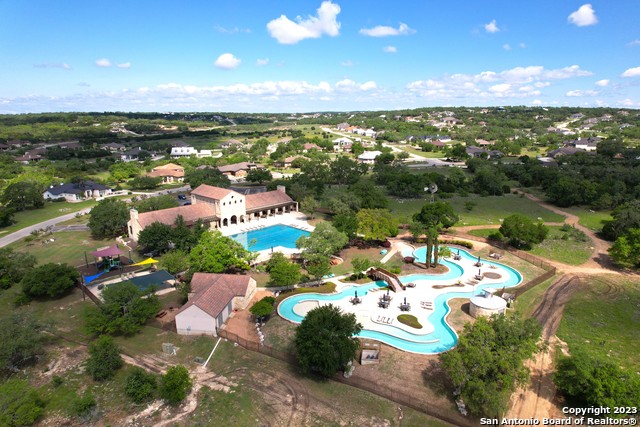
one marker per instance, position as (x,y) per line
(270,237)
(442,337)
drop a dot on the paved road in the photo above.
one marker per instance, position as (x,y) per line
(20,234)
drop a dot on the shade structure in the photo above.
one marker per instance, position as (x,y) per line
(89,279)
(146,261)
(111,251)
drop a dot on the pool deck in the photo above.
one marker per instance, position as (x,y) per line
(421,297)
(292,219)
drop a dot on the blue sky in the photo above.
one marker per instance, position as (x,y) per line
(284,56)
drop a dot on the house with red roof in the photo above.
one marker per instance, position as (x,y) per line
(212,299)
(217,208)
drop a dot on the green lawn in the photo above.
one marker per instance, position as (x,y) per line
(418,152)
(528,301)
(487,210)
(69,247)
(575,250)
(593,220)
(603,319)
(50,210)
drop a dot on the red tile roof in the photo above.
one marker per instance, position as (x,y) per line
(236,167)
(269,198)
(211,192)
(190,214)
(170,169)
(212,292)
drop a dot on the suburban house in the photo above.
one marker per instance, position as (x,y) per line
(343,126)
(479,152)
(115,147)
(216,207)
(232,143)
(564,151)
(183,151)
(368,157)
(29,157)
(169,173)
(286,163)
(586,144)
(310,146)
(212,299)
(239,170)
(342,144)
(131,155)
(74,192)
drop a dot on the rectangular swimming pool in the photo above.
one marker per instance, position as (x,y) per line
(270,237)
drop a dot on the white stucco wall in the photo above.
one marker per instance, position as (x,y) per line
(194,321)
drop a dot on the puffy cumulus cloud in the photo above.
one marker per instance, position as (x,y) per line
(578,92)
(286,31)
(385,31)
(632,72)
(602,83)
(227,61)
(506,46)
(103,62)
(584,16)
(516,83)
(491,27)
(389,49)
(261,62)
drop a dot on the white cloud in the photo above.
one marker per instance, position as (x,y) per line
(491,27)
(578,92)
(632,72)
(584,16)
(286,31)
(602,83)
(516,83)
(384,31)
(234,30)
(347,63)
(522,45)
(370,85)
(262,62)
(103,62)
(634,43)
(125,65)
(389,49)
(227,61)
(62,65)
(506,46)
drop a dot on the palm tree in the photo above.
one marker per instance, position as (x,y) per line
(432,245)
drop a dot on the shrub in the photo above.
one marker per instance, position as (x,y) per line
(140,385)
(104,359)
(49,280)
(83,406)
(175,384)
(495,236)
(464,243)
(57,381)
(262,308)
(20,405)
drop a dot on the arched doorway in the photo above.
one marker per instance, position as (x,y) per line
(225,222)
(234,219)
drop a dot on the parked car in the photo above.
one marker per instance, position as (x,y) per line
(182,197)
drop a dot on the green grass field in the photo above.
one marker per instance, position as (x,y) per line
(593,220)
(69,247)
(487,210)
(418,152)
(603,319)
(575,250)
(528,301)
(50,210)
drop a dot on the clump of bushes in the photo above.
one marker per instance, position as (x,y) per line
(463,243)
(140,386)
(263,308)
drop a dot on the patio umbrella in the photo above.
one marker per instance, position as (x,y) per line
(356,294)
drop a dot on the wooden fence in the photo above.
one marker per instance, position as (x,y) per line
(448,415)
(90,294)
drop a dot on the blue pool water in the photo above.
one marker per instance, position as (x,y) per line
(442,338)
(270,237)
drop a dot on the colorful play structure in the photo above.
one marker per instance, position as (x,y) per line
(108,259)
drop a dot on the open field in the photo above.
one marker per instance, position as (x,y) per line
(574,250)
(419,152)
(50,210)
(603,320)
(487,210)
(69,247)
(593,220)
(529,300)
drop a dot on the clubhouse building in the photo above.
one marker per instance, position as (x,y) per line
(217,208)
